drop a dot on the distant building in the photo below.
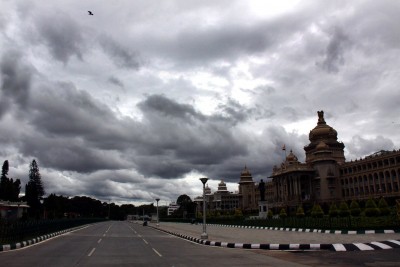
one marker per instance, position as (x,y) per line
(12,210)
(172,207)
(221,201)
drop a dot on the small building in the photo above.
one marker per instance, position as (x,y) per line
(12,210)
(172,207)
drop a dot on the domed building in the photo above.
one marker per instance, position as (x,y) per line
(326,177)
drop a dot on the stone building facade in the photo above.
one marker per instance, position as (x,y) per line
(326,177)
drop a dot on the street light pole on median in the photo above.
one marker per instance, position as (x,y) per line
(204,234)
(157,199)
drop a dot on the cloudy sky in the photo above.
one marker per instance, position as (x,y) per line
(143,98)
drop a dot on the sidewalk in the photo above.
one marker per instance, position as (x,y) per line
(338,242)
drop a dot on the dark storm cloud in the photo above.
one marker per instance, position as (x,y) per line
(168,108)
(183,139)
(63,36)
(15,80)
(335,50)
(226,41)
(121,55)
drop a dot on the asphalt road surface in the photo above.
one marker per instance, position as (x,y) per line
(126,244)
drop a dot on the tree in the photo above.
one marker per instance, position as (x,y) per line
(355,208)
(371,209)
(34,190)
(383,207)
(270,214)
(317,211)
(9,189)
(282,213)
(344,210)
(186,206)
(4,180)
(333,210)
(300,212)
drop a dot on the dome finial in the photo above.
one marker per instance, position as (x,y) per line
(321,119)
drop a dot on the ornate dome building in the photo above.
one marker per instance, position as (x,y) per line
(326,177)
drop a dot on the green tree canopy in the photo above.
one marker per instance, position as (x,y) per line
(371,209)
(383,207)
(333,210)
(9,189)
(354,208)
(317,211)
(344,209)
(34,190)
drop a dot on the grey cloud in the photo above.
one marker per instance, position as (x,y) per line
(334,56)
(15,80)
(114,80)
(360,147)
(63,36)
(122,56)
(168,108)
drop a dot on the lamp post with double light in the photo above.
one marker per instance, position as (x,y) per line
(204,234)
(158,221)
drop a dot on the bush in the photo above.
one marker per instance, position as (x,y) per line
(344,209)
(355,208)
(371,210)
(300,212)
(383,207)
(333,210)
(282,213)
(238,213)
(317,211)
(270,214)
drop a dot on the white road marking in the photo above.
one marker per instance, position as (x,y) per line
(91,252)
(99,241)
(158,253)
(145,241)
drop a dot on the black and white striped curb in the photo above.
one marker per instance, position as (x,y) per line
(388,244)
(22,244)
(343,232)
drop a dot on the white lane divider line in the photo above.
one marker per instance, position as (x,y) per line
(91,252)
(158,253)
(99,241)
(145,241)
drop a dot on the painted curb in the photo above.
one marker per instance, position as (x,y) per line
(388,244)
(7,247)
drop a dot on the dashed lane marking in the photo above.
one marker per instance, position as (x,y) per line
(158,253)
(91,252)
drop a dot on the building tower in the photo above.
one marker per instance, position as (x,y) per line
(325,154)
(248,190)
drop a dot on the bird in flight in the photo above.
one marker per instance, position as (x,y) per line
(90,13)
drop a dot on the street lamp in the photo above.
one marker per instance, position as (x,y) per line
(204,234)
(157,199)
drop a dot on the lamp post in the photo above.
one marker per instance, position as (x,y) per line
(204,234)
(157,199)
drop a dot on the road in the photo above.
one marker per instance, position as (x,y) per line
(126,244)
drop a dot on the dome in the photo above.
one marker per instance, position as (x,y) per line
(222,186)
(322,131)
(207,190)
(321,146)
(291,157)
(245,176)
